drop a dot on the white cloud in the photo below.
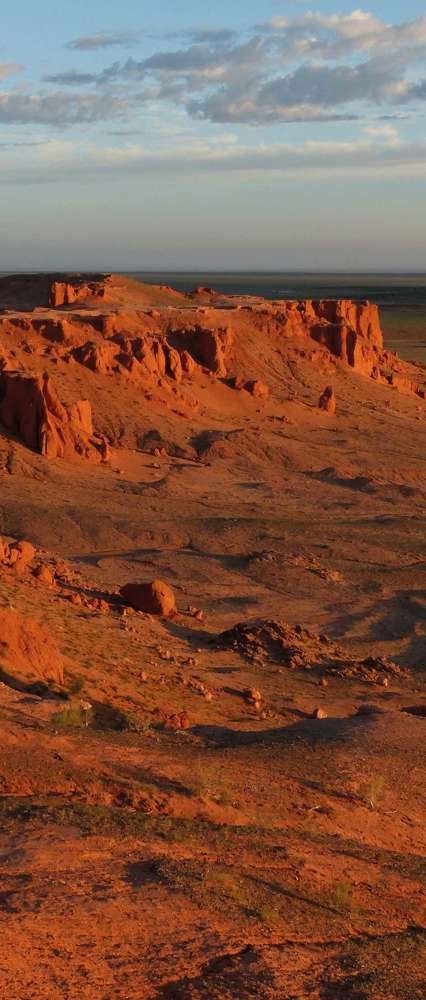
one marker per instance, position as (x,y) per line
(58,108)
(378,152)
(311,67)
(225,78)
(104,40)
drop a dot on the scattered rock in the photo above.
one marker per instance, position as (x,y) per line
(299,649)
(177,721)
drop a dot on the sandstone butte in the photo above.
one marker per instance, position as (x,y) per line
(212,646)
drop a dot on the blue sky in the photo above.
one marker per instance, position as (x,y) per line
(265,135)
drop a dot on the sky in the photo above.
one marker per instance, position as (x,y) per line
(249,135)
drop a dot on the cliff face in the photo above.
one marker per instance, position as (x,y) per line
(176,343)
(65,293)
(351,331)
(166,343)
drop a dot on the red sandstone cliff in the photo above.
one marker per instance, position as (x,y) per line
(31,409)
(151,335)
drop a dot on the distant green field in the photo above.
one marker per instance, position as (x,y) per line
(405,332)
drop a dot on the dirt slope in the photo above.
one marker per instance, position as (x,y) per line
(227,802)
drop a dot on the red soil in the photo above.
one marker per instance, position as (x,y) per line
(226,801)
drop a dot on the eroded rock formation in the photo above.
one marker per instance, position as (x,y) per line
(31,409)
(65,293)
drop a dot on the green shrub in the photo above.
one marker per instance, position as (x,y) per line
(71,717)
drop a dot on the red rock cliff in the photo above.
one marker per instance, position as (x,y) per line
(31,409)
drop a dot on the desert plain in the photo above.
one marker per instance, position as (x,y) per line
(214,787)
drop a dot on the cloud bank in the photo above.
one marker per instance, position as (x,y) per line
(312,68)
(377,151)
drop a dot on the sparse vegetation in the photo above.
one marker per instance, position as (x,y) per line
(71,717)
(371,791)
(214,786)
(76,684)
(343,897)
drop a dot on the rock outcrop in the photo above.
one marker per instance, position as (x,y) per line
(65,293)
(210,348)
(31,409)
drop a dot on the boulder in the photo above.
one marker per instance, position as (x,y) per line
(21,554)
(17,554)
(257,389)
(45,575)
(155,598)
(327,400)
(252,695)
